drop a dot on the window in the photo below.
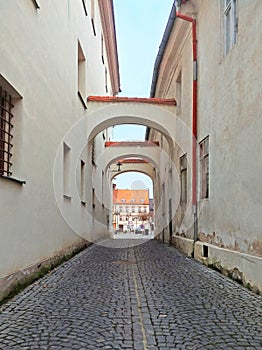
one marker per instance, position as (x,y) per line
(84,5)
(36,3)
(179,91)
(183,179)
(204,168)
(103,179)
(93,16)
(66,170)
(81,75)
(230,24)
(93,152)
(123,200)
(93,198)
(106,78)
(82,181)
(6,135)
(102,49)
(133,209)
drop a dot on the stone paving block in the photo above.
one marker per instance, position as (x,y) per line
(163,300)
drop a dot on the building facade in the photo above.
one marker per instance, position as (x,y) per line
(215,78)
(131,210)
(53,54)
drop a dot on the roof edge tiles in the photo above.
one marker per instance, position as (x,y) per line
(160,101)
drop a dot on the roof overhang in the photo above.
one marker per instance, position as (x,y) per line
(108,25)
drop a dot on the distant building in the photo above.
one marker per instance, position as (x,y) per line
(131,209)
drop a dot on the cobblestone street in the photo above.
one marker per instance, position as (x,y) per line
(149,296)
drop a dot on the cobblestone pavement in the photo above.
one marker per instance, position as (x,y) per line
(145,297)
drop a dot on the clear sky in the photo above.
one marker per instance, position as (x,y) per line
(140,26)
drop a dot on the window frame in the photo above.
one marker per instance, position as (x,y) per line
(84,6)
(36,3)
(81,74)
(93,16)
(204,168)
(183,179)
(230,24)
(6,135)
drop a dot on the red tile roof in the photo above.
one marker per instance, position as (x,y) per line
(131,197)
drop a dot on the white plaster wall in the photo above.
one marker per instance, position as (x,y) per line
(38,56)
(177,59)
(229,105)
(229,112)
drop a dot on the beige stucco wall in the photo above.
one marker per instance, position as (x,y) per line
(229,105)
(38,57)
(229,112)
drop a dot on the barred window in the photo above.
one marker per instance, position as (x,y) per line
(6,135)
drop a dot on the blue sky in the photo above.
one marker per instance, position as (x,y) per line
(140,25)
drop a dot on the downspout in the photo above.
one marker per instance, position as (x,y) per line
(194,121)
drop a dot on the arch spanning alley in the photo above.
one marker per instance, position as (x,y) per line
(113,154)
(100,115)
(145,168)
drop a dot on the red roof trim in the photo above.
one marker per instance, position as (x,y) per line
(131,143)
(161,101)
(133,161)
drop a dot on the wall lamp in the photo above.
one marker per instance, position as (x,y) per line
(119,164)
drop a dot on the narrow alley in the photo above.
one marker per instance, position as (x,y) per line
(148,296)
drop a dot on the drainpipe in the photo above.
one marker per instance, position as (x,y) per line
(194,121)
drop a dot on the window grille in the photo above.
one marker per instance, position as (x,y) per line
(6,135)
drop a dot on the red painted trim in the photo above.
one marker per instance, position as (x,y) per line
(161,101)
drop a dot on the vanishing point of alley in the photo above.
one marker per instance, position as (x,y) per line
(146,296)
